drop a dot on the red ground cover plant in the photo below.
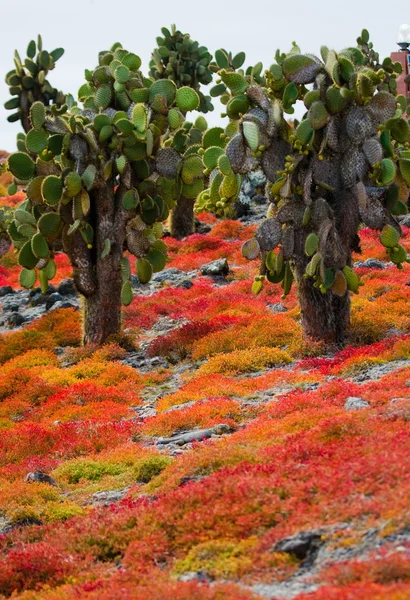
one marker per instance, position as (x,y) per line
(295,460)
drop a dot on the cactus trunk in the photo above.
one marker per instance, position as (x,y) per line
(325,317)
(182,218)
(102,310)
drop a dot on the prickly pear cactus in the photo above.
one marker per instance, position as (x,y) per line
(182,60)
(28,82)
(346,163)
(98,179)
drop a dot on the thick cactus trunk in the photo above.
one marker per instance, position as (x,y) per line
(182,218)
(102,310)
(325,317)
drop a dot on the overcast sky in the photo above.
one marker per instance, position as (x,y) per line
(258,27)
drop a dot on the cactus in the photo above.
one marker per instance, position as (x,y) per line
(28,84)
(100,183)
(346,163)
(184,62)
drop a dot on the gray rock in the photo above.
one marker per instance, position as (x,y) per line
(5,290)
(277,307)
(15,320)
(194,436)
(216,267)
(38,477)
(67,287)
(107,498)
(52,299)
(405,220)
(370,263)
(195,576)
(38,299)
(302,545)
(186,284)
(171,274)
(354,403)
(64,304)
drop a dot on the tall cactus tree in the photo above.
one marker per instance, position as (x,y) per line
(98,182)
(345,164)
(182,60)
(28,82)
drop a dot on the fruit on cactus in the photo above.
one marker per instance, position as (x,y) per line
(99,182)
(343,165)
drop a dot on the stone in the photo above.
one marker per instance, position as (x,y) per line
(404,220)
(195,435)
(107,498)
(15,320)
(52,299)
(370,263)
(37,299)
(67,288)
(354,403)
(216,267)
(195,576)
(302,545)
(63,304)
(39,477)
(277,307)
(5,290)
(186,284)
(259,199)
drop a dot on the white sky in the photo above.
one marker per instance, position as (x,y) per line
(258,27)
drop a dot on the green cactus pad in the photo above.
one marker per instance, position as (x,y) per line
(398,254)
(27,278)
(157,259)
(37,115)
(101,121)
(144,270)
(39,246)
(310,97)
(234,81)
(301,69)
(88,177)
(352,279)
(139,94)
(163,87)
(73,184)
(290,95)
(21,166)
(49,224)
(224,165)
(389,236)
(404,166)
(387,171)
(237,106)
(139,117)
(192,168)
(304,132)
(52,189)
(213,137)
(192,190)
(318,115)
(339,286)
(26,257)
(126,293)
(50,269)
(251,249)
(174,118)
(201,123)
(335,102)
(122,74)
(103,96)
(251,133)
(130,200)
(311,244)
(187,99)
(211,156)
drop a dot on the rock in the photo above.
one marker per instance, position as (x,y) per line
(302,545)
(259,199)
(63,304)
(107,498)
(168,275)
(370,263)
(195,576)
(353,403)
(52,299)
(37,299)
(404,220)
(5,290)
(38,477)
(67,288)
(186,284)
(202,227)
(216,267)
(194,436)
(15,320)
(277,307)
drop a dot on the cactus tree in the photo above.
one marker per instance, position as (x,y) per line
(183,61)
(28,82)
(98,184)
(345,164)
